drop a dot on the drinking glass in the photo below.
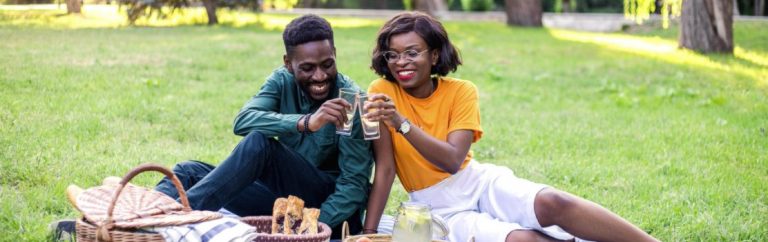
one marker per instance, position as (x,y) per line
(370,128)
(413,223)
(351,96)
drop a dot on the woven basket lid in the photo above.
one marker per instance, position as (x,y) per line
(136,207)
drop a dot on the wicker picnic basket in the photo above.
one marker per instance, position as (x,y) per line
(263,226)
(138,207)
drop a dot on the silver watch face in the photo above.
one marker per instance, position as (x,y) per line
(405,127)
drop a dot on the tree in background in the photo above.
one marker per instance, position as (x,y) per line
(435,8)
(147,8)
(641,10)
(749,7)
(477,5)
(73,6)
(759,7)
(565,6)
(523,12)
(705,25)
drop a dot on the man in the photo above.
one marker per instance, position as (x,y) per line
(290,145)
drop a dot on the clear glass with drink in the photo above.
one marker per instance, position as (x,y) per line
(370,128)
(350,95)
(413,223)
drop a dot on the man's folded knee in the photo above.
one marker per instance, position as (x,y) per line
(255,142)
(256,136)
(186,166)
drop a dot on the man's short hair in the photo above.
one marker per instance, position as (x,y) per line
(306,28)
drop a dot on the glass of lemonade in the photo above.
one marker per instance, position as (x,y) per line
(350,95)
(370,128)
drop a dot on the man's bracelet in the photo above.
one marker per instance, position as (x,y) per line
(298,123)
(306,123)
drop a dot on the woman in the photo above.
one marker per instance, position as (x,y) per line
(431,121)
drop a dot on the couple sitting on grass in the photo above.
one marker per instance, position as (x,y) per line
(430,121)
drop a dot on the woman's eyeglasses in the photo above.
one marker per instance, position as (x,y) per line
(392,57)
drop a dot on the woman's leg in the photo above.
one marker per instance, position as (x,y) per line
(511,199)
(583,218)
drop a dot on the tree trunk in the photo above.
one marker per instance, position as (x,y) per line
(210,10)
(566,5)
(759,7)
(523,12)
(435,8)
(381,4)
(73,6)
(707,26)
(135,11)
(736,8)
(307,4)
(334,3)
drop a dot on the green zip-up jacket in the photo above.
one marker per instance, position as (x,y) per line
(275,111)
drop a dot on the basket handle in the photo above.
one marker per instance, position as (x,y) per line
(102,233)
(344,231)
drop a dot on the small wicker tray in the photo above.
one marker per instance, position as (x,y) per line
(263,224)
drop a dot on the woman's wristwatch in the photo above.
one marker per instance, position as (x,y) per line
(405,127)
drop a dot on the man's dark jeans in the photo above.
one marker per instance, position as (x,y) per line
(248,182)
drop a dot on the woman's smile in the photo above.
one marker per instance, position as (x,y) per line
(405,75)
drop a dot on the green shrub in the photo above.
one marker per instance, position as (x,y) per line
(477,5)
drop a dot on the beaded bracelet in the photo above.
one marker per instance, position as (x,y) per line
(306,123)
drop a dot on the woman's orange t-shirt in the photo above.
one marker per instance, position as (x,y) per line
(452,106)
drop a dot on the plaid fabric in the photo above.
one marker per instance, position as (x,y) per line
(224,229)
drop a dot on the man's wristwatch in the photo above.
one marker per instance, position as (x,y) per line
(405,127)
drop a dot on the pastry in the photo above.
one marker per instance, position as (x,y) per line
(293,214)
(278,215)
(309,222)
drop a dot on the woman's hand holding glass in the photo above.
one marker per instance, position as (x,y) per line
(385,110)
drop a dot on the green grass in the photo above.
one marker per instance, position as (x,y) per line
(674,141)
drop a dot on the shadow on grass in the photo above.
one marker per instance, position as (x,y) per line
(750,38)
(747,63)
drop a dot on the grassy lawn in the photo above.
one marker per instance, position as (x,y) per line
(674,141)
